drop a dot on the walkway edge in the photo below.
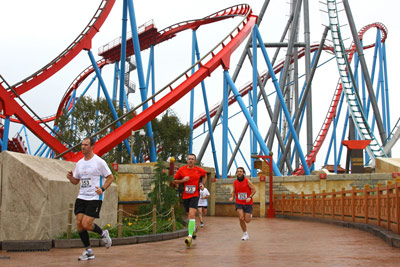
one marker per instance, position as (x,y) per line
(45,245)
(388,236)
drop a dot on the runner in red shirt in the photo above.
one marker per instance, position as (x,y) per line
(190,175)
(243,191)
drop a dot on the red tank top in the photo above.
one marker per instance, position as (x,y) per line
(243,191)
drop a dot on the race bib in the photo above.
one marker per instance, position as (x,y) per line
(86,183)
(242,196)
(190,189)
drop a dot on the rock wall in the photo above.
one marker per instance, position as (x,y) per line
(35,197)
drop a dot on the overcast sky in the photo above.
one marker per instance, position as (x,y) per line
(34,32)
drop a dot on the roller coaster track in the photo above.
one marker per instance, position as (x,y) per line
(394,136)
(374,148)
(311,155)
(83,41)
(12,104)
(111,51)
(249,85)
(184,83)
(219,55)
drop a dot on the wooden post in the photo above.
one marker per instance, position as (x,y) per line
(323,203)
(378,203)
(291,202)
(333,203)
(388,191)
(213,195)
(154,220)
(313,203)
(261,195)
(283,202)
(353,203)
(342,204)
(397,205)
(173,218)
(69,224)
(120,214)
(366,194)
(302,203)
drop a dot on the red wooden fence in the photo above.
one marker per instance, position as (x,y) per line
(379,206)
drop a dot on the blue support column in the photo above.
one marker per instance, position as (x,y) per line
(97,111)
(192,93)
(283,104)
(153,72)
(150,72)
(252,125)
(334,144)
(225,130)
(386,89)
(142,84)
(123,54)
(381,82)
(115,83)
(203,88)
(6,130)
(73,106)
(254,104)
(107,96)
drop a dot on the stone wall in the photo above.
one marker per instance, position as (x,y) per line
(134,184)
(35,198)
(134,180)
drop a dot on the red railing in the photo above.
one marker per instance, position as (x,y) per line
(378,206)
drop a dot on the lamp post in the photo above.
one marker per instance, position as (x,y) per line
(141,133)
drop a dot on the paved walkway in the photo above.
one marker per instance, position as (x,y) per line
(273,242)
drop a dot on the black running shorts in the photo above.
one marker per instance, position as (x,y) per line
(245,208)
(90,208)
(190,203)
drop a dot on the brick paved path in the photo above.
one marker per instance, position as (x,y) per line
(273,242)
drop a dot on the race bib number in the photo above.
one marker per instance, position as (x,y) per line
(190,189)
(86,183)
(242,196)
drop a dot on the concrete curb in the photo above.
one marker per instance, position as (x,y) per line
(45,245)
(27,245)
(388,236)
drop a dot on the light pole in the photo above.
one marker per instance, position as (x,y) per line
(141,133)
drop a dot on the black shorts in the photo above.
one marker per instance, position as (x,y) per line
(190,203)
(245,208)
(202,207)
(90,208)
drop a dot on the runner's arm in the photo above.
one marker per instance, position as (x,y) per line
(233,195)
(71,178)
(252,188)
(181,181)
(109,180)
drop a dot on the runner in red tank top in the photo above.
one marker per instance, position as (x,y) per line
(243,191)
(190,175)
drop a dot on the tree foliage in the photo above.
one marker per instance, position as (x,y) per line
(171,137)
(163,195)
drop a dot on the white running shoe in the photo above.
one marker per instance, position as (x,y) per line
(245,236)
(107,239)
(86,255)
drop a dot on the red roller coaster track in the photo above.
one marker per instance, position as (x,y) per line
(218,56)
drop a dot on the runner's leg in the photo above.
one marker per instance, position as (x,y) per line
(240,214)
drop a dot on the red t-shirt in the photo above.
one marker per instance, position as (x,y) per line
(243,191)
(191,187)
